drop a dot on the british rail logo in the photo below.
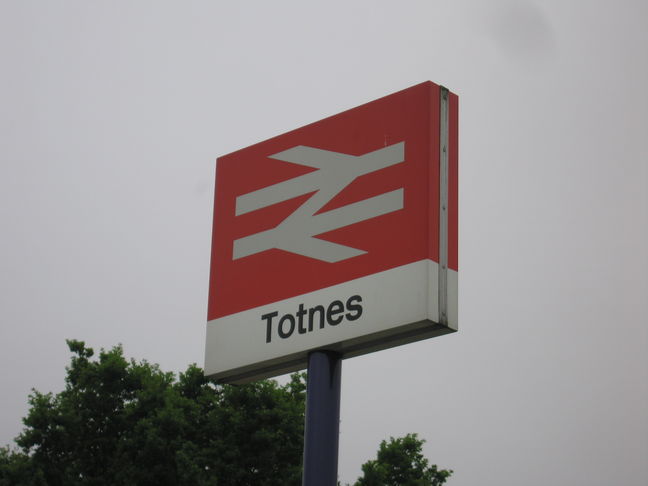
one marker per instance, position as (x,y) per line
(335,171)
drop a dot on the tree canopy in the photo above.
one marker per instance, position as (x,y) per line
(122,422)
(400,462)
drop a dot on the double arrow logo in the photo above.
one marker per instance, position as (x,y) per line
(296,233)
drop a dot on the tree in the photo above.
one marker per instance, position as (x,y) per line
(17,468)
(120,422)
(400,462)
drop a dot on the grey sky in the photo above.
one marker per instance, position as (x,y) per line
(112,115)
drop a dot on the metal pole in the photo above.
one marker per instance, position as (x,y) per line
(322,427)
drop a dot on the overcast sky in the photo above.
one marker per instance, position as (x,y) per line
(112,114)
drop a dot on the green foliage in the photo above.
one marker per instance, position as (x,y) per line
(17,468)
(400,462)
(120,422)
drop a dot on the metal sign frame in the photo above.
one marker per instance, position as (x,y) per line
(340,236)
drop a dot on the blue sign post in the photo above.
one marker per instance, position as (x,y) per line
(322,427)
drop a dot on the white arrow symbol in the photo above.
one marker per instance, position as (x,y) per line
(336,171)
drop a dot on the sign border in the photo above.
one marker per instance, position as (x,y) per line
(438,321)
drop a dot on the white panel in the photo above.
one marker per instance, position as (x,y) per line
(390,299)
(453,299)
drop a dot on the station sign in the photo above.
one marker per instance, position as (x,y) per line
(341,235)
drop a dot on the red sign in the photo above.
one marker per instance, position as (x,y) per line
(354,195)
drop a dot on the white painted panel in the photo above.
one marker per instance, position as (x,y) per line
(453,299)
(390,299)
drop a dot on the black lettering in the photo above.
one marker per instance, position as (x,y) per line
(268,318)
(311,312)
(334,314)
(291,319)
(353,307)
(300,319)
(336,307)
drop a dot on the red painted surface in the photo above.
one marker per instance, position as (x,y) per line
(390,240)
